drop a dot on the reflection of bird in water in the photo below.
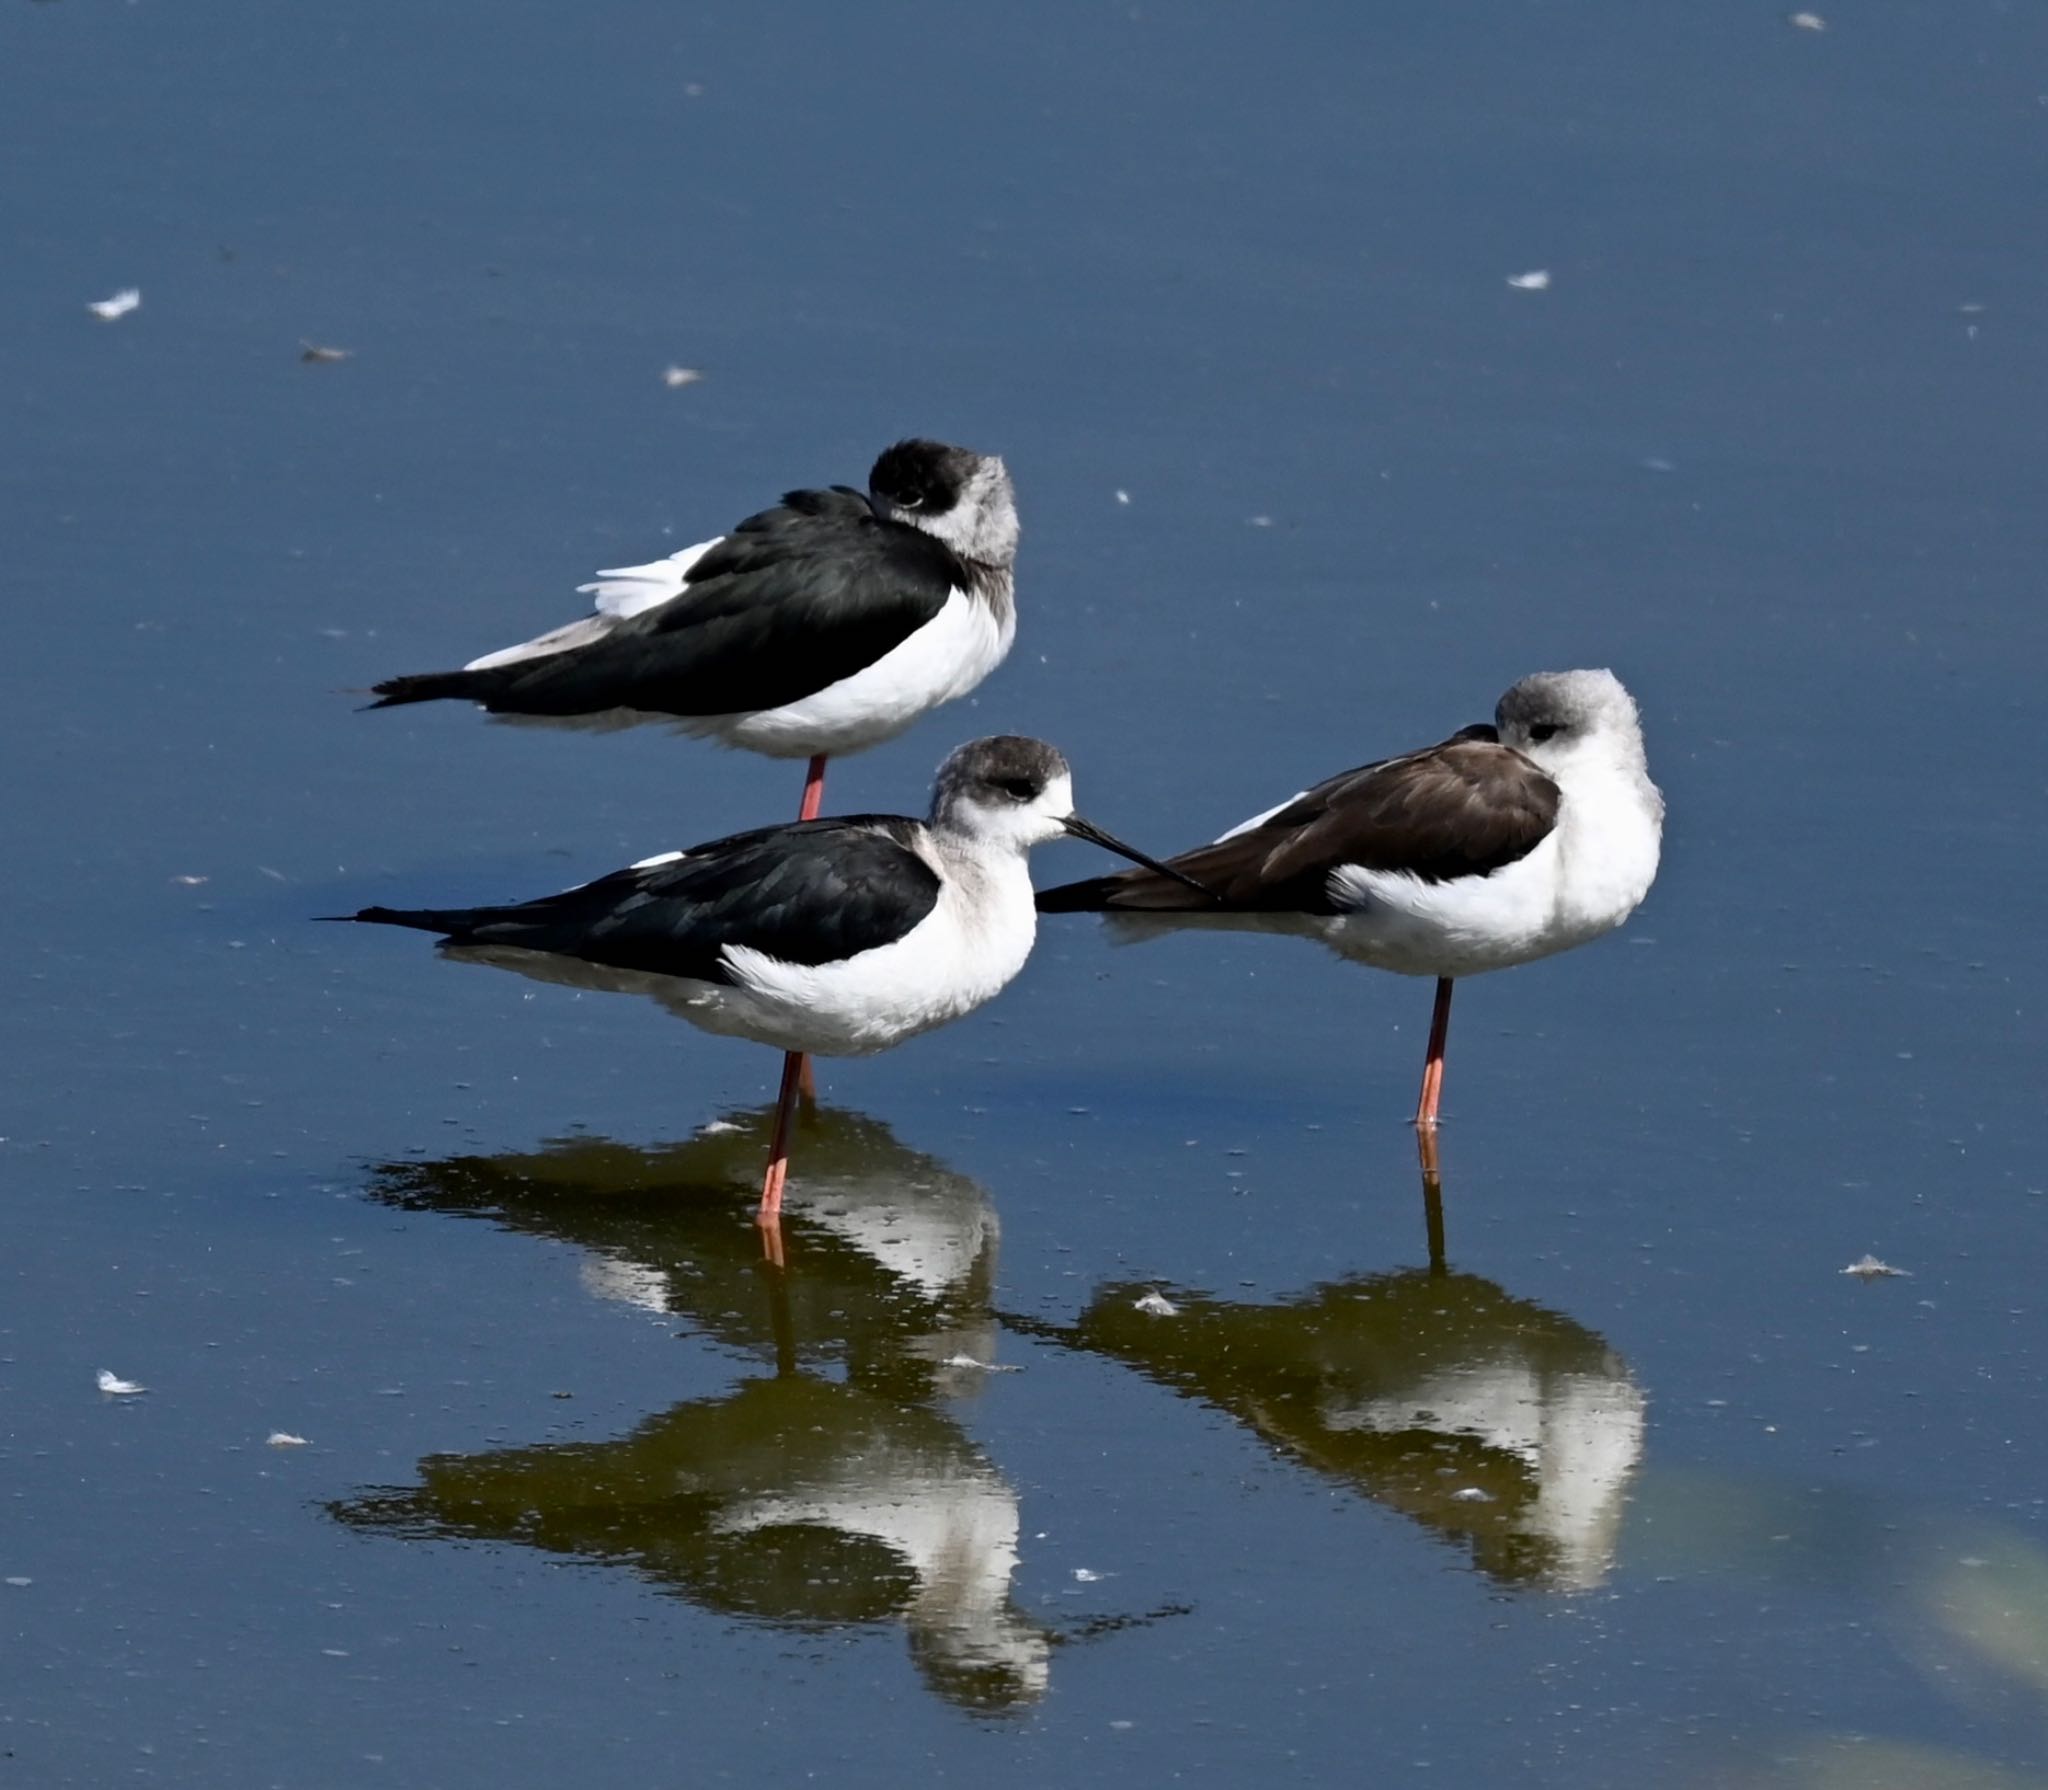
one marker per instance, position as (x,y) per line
(801,1501)
(796,1501)
(893,1253)
(1491,1420)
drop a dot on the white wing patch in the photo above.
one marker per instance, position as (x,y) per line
(1259,820)
(660,857)
(627,590)
(620,592)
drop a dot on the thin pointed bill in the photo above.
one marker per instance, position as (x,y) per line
(1077,828)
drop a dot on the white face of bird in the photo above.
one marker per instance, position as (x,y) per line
(1564,718)
(953,494)
(1008,790)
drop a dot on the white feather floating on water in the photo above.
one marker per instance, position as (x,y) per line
(113,1383)
(107,310)
(1537,279)
(1870,1268)
(284,1439)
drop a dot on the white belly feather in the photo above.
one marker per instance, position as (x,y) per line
(960,955)
(1584,879)
(943,660)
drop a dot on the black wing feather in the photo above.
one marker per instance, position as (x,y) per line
(812,893)
(1464,808)
(792,600)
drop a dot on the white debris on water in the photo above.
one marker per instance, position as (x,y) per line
(1537,279)
(1807,21)
(1155,1304)
(108,310)
(673,376)
(1870,1268)
(987,1367)
(319,354)
(111,1382)
(284,1439)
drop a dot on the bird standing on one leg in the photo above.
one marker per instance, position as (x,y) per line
(823,626)
(1502,845)
(839,937)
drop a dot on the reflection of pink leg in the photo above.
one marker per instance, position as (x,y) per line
(770,1215)
(814,789)
(1433,1065)
(1432,1196)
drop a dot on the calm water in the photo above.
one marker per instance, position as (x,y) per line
(1629,1485)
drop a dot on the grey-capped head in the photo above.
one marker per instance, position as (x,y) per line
(954,494)
(1009,791)
(1004,787)
(1559,714)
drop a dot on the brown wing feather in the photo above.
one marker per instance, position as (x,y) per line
(1464,808)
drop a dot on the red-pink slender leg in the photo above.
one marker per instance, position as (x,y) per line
(770,1215)
(807,1083)
(1433,1066)
(814,789)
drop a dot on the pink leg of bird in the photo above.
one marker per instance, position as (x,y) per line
(807,1083)
(770,1216)
(814,789)
(1433,1066)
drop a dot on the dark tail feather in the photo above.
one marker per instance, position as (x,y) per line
(454,921)
(1129,891)
(1089,897)
(429,686)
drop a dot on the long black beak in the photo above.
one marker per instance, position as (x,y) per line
(1078,828)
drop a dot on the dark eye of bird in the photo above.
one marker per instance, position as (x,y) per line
(1544,730)
(1021,787)
(910,500)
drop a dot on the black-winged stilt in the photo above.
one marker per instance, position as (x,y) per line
(840,937)
(1502,845)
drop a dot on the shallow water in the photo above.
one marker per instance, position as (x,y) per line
(1622,1482)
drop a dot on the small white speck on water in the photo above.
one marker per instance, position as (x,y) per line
(319,354)
(19,1582)
(112,1383)
(109,310)
(284,1439)
(1806,21)
(1472,1494)
(1083,1576)
(1537,279)
(1156,1305)
(1123,497)
(674,376)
